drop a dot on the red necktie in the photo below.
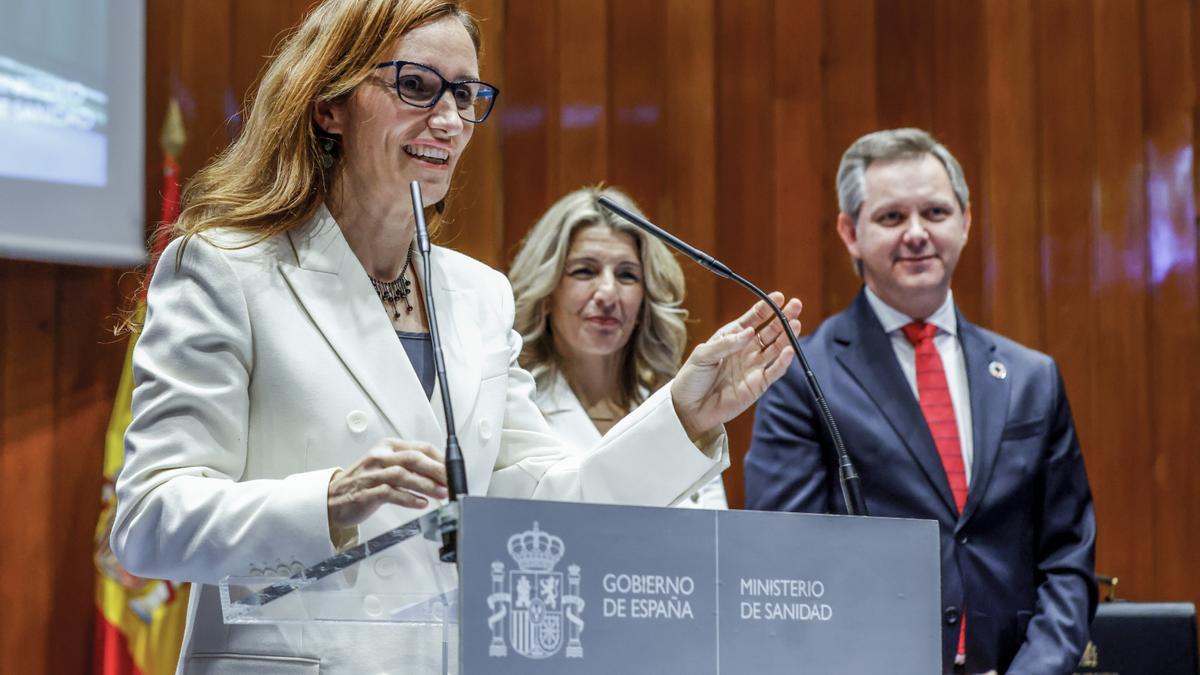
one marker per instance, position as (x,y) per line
(934,395)
(938,408)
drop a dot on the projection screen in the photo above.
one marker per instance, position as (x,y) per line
(72,83)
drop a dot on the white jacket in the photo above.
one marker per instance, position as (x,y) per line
(261,370)
(568,419)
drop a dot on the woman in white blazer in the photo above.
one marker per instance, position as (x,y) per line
(599,306)
(284,407)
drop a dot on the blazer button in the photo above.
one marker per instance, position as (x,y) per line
(485,429)
(951,616)
(386,566)
(372,605)
(356,421)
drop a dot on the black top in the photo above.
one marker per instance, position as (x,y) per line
(419,347)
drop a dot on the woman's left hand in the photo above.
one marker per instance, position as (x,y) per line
(728,372)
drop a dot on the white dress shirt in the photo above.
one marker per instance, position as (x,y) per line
(949,348)
(570,422)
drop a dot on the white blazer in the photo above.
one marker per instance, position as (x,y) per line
(568,418)
(260,370)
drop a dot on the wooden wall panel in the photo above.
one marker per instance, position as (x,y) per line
(1174,321)
(1119,388)
(28,583)
(1066,137)
(475,220)
(255,35)
(691,149)
(726,119)
(802,183)
(745,77)
(204,86)
(851,105)
(1008,189)
(87,359)
(637,151)
(160,72)
(583,58)
(745,224)
(904,82)
(8,594)
(529,114)
(57,377)
(959,120)
(9,561)
(802,221)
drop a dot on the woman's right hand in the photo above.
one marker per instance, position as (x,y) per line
(404,473)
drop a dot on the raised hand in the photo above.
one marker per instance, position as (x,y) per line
(398,472)
(728,372)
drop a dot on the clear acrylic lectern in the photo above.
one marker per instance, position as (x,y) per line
(360,584)
(561,588)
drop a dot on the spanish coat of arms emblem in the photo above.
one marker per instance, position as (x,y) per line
(537,607)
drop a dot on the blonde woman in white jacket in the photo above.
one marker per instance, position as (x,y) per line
(283,404)
(599,309)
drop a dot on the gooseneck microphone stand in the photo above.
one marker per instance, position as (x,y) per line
(847,475)
(456,470)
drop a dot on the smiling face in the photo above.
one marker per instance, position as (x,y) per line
(909,234)
(594,309)
(387,143)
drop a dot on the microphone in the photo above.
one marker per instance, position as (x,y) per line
(456,469)
(847,475)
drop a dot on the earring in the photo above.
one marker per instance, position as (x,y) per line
(327,146)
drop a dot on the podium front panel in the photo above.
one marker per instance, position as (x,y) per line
(551,588)
(828,594)
(578,588)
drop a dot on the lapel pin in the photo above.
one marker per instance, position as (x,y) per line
(998,370)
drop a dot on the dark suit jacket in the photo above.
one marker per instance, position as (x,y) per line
(1019,561)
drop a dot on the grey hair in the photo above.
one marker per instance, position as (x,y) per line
(655,350)
(886,145)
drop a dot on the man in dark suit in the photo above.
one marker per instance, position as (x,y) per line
(945,421)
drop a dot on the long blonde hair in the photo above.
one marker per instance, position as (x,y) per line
(271,178)
(655,350)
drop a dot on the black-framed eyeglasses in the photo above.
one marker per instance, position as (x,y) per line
(421,86)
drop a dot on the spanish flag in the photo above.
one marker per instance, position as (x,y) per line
(139,622)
